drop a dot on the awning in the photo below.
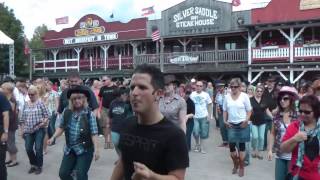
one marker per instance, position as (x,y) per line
(4,39)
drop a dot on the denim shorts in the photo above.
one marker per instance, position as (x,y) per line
(236,134)
(201,127)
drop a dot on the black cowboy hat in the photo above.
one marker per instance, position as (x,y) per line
(78,89)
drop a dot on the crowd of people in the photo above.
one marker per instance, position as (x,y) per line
(152,121)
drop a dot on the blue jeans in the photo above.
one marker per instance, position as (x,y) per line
(282,168)
(115,137)
(201,128)
(248,147)
(190,124)
(258,136)
(52,125)
(80,163)
(35,141)
(223,129)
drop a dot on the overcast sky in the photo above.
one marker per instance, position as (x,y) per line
(33,13)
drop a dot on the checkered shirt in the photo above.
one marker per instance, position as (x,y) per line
(33,115)
(74,131)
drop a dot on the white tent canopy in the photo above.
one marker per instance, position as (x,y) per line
(4,39)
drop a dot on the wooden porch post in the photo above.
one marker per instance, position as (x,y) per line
(216,48)
(105,50)
(134,51)
(184,43)
(55,53)
(78,50)
(291,40)
(250,43)
(161,54)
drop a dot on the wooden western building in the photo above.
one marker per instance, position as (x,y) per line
(198,38)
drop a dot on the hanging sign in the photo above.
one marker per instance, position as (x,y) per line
(89,27)
(195,17)
(92,38)
(184,60)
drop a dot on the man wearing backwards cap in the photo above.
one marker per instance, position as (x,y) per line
(80,127)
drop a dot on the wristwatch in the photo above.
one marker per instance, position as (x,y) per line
(6,131)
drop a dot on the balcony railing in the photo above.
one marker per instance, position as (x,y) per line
(222,56)
(307,51)
(282,53)
(120,62)
(271,53)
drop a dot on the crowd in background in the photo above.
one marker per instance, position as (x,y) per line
(251,119)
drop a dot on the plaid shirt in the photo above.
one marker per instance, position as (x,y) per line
(74,131)
(33,115)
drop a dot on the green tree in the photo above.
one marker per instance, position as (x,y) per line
(37,43)
(12,27)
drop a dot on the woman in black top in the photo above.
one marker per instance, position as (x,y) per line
(259,112)
(190,114)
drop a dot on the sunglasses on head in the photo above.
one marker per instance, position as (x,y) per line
(305,112)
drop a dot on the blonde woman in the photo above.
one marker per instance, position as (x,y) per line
(236,116)
(79,125)
(33,122)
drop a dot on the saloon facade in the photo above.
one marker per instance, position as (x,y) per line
(198,38)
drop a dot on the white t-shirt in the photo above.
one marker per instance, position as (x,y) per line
(201,101)
(237,109)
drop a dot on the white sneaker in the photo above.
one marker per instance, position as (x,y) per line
(203,152)
(196,148)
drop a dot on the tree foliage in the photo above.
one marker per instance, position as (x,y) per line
(36,41)
(13,28)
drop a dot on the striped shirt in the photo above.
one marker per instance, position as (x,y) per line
(74,130)
(33,114)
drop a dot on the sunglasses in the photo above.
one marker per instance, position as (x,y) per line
(77,97)
(234,87)
(285,99)
(199,85)
(305,112)
(31,94)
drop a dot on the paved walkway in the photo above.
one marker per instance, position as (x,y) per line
(215,165)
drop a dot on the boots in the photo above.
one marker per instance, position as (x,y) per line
(235,160)
(241,169)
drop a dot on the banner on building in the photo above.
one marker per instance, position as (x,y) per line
(309,4)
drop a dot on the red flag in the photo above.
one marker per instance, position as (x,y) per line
(236,2)
(155,35)
(147,11)
(26,46)
(62,20)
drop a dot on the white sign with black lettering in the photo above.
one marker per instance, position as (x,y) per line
(184,60)
(92,38)
(195,17)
